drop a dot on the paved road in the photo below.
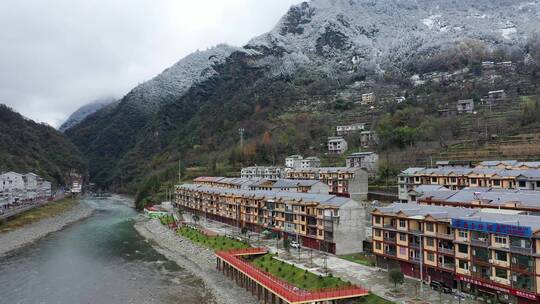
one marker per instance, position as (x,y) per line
(371,278)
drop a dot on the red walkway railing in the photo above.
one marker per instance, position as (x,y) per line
(282,288)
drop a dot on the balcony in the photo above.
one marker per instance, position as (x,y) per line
(389,226)
(391,252)
(414,245)
(518,249)
(446,250)
(415,259)
(480,242)
(415,231)
(445,236)
(390,239)
(447,266)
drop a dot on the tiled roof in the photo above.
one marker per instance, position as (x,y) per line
(324,199)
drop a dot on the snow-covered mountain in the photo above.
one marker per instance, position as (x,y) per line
(176,80)
(344,35)
(81,113)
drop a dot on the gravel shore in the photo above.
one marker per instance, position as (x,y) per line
(27,234)
(198,260)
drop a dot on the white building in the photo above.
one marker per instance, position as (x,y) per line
(337,145)
(294,161)
(268,172)
(350,129)
(30,181)
(465,106)
(366,160)
(12,181)
(310,162)
(367,98)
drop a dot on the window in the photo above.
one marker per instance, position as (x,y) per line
(537,184)
(474,181)
(522,184)
(430,227)
(402,237)
(501,240)
(377,232)
(463,264)
(417,179)
(501,256)
(434,180)
(496,182)
(401,179)
(377,219)
(402,223)
(430,257)
(378,246)
(501,273)
(453,180)
(430,242)
(464,234)
(462,248)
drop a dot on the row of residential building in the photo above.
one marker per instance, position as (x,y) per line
(16,186)
(494,174)
(320,221)
(489,252)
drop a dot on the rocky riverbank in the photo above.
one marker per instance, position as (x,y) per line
(200,261)
(25,235)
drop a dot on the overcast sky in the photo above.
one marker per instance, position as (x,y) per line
(56,55)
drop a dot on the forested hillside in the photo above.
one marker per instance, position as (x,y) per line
(27,146)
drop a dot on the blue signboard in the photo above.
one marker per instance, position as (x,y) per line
(490,227)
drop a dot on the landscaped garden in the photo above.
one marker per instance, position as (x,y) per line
(217,243)
(294,275)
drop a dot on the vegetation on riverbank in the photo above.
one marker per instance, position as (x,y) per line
(39,213)
(294,275)
(217,243)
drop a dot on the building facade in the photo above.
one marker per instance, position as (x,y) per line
(492,174)
(366,160)
(323,222)
(268,172)
(350,129)
(342,181)
(293,161)
(465,106)
(337,145)
(491,254)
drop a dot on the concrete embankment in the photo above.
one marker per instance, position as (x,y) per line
(29,233)
(200,261)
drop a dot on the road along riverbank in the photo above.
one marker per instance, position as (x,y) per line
(32,232)
(198,260)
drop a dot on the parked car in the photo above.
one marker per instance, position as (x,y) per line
(295,244)
(437,285)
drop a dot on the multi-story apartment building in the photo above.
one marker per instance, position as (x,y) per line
(323,222)
(491,253)
(366,160)
(498,175)
(294,161)
(297,162)
(337,145)
(522,200)
(310,162)
(350,129)
(291,185)
(268,172)
(342,181)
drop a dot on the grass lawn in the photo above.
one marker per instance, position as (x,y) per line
(294,275)
(216,243)
(358,258)
(373,299)
(31,216)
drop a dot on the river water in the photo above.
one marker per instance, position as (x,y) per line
(101,259)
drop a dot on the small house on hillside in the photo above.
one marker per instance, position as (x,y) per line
(465,106)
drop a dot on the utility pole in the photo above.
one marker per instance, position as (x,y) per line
(241,131)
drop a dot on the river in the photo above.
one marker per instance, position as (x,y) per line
(101,259)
